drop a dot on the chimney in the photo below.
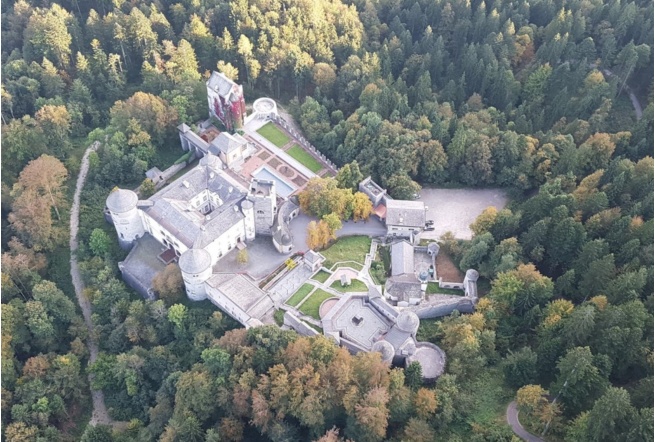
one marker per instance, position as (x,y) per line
(185,183)
(230,189)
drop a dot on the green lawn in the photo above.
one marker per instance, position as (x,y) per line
(311,305)
(433,288)
(279,317)
(355,286)
(321,276)
(273,134)
(304,158)
(299,295)
(350,248)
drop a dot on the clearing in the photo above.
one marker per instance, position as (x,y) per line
(273,134)
(350,248)
(455,209)
(305,158)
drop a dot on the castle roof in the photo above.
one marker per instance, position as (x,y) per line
(402,258)
(195,261)
(122,200)
(226,143)
(406,213)
(174,208)
(218,82)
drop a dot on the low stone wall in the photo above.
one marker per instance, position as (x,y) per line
(292,321)
(444,306)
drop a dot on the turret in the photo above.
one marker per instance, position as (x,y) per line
(121,204)
(196,267)
(248,209)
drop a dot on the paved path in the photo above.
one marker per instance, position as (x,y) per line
(100,415)
(635,103)
(517,428)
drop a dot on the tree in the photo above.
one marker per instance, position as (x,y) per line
(401,186)
(56,124)
(242,256)
(333,224)
(585,382)
(362,206)
(99,242)
(349,176)
(46,35)
(611,417)
(169,284)
(414,375)
(39,190)
(147,188)
(520,367)
(530,398)
(425,403)
(154,115)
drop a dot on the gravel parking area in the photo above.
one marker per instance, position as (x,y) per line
(455,209)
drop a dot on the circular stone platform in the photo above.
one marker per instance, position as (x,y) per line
(265,107)
(326,306)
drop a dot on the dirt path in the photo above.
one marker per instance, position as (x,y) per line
(517,428)
(100,415)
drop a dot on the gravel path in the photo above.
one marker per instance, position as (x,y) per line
(100,415)
(517,428)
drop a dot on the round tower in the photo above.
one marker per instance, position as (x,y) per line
(385,349)
(196,267)
(121,204)
(408,322)
(248,209)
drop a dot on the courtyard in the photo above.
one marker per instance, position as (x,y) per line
(455,210)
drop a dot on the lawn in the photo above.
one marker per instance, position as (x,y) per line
(273,134)
(433,288)
(321,276)
(300,295)
(311,305)
(304,158)
(279,317)
(355,286)
(350,248)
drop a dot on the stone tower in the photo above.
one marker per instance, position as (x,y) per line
(248,209)
(121,204)
(196,267)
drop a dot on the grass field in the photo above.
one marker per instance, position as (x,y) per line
(299,295)
(273,134)
(433,288)
(321,276)
(350,248)
(304,158)
(311,305)
(355,286)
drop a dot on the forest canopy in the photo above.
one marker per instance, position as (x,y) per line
(552,101)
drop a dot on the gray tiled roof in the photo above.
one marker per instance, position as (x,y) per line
(226,143)
(403,287)
(220,83)
(122,200)
(402,258)
(172,208)
(406,213)
(242,292)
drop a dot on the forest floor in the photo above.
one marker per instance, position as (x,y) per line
(100,414)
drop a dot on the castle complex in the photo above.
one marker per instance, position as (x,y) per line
(242,192)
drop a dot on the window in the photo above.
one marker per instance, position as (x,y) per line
(260,212)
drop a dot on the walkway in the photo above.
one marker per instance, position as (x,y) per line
(100,415)
(517,428)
